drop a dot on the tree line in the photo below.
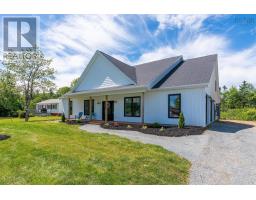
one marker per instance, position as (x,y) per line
(242,97)
(25,82)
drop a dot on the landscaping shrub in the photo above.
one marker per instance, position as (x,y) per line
(248,114)
(144,127)
(156,125)
(129,126)
(63,118)
(181,121)
(21,113)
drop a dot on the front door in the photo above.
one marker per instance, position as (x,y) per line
(110,106)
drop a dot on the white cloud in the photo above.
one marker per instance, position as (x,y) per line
(234,66)
(180,21)
(195,47)
(72,41)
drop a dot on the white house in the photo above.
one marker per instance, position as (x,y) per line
(50,106)
(157,91)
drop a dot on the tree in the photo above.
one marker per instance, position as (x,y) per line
(233,98)
(246,91)
(32,72)
(10,100)
(62,90)
(74,82)
(243,97)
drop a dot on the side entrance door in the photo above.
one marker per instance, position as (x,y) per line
(110,107)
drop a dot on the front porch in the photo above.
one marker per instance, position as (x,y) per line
(122,106)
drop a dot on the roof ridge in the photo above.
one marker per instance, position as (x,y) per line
(157,60)
(210,55)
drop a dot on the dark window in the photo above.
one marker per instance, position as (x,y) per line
(132,106)
(87,107)
(70,106)
(174,105)
(54,106)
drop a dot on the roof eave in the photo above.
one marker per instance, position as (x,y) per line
(191,86)
(108,90)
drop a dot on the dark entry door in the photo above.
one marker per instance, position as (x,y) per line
(110,107)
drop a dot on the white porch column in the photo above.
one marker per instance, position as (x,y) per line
(90,107)
(106,108)
(142,108)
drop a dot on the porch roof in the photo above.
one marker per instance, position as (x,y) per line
(108,91)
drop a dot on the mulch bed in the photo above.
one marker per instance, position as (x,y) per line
(75,122)
(170,131)
(4,137)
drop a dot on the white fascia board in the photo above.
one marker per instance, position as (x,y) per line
(108,91)
(85,70)
(161,76)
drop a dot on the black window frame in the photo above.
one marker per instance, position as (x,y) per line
(178,94)
(132,108)
(87,100)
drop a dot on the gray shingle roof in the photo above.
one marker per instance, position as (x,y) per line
(192,71)
(49,101)
(148,71)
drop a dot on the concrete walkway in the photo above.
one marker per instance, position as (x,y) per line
(224,154)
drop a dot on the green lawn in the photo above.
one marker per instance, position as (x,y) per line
(44,151)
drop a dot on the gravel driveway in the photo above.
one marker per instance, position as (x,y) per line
(224,154)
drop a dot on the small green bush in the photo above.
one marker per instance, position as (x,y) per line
(144,127)
(156,125)
(21,113)
(129,126)
(107,124)
(181,121)
(63,118)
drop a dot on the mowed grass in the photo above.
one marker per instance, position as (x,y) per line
(44,151)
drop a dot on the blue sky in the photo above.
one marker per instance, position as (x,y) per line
(71,41)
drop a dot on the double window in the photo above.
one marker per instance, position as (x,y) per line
(87,107)
(174,105)
(132,106)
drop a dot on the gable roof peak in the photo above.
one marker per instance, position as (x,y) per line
(123,67)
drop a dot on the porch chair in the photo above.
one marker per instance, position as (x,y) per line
(80,114)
